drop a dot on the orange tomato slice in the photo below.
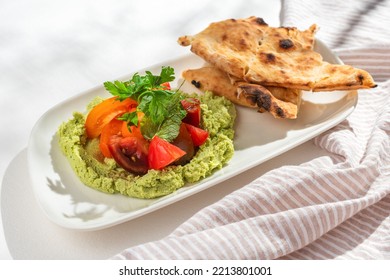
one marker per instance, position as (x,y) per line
(104,112)
(134,131)
(114,127)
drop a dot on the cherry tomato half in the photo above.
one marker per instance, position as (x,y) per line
(192,107)
(198,135)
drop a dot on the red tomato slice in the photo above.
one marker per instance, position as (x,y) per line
(198,135)
(162,153)
(114,127)
(104,112)
(192,106)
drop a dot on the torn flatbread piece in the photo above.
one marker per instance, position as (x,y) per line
(280,102)
(284,57)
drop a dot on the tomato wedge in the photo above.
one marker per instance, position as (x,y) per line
(131,153)
(104,112)
(192,107)
(198,135)
(162,153)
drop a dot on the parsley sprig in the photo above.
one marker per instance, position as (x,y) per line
(162,107)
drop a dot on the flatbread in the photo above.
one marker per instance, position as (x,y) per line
(256,53)
(280,102)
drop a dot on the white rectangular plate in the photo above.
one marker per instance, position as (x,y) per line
(259,137)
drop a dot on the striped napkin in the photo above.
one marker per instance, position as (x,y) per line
(333,207)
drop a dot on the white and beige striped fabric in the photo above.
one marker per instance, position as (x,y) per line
(333,207)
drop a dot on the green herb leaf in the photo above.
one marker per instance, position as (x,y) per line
(167,75)
(159,105)
(168,127)
(148,128)
(131,118)
(162,108)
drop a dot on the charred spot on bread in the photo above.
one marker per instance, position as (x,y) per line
(361,78)
(249,97)
(248,94)
(286,44)
(263,100)
(267,57)
(196,83)
(258,97)
(252,99)
(280,112)
(243,44)
(260,21)
(271,57)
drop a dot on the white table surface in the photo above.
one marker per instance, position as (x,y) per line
(52,50)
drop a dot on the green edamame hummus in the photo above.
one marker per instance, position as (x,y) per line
(104,174)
